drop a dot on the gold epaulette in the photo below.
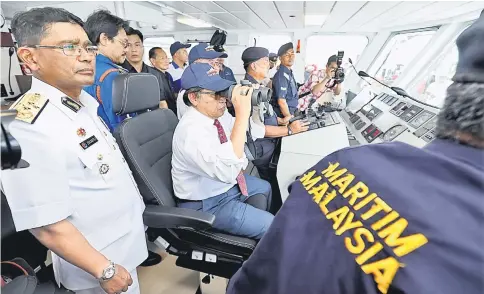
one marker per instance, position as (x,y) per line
(29,107)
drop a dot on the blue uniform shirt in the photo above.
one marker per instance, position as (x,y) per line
(227,74)
(105,109)
(284,87)
(269,120)
(382,218)
(176,73)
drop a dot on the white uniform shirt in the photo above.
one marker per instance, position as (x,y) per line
(92,187)
(201,166)
(181,107)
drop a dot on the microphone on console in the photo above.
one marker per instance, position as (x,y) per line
(397,90)
(351,62)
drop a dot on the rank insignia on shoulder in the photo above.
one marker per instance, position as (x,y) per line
(29,107)
(71,104)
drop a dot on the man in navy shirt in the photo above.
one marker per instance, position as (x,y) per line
(284,97)
(390,217)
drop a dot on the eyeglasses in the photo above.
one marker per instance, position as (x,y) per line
(124,43)
(216,95)
(70,49)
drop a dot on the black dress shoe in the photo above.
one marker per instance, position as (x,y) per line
(153,259)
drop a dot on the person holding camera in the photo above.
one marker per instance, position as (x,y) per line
(77,195)
(208,155)
(321,85)
(285,97)
(256,65)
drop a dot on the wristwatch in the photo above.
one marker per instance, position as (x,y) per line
(108,273)
(289,131)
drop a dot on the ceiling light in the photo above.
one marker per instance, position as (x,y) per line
(314,19)
(193,22)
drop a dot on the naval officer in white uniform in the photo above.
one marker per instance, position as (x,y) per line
(78,196)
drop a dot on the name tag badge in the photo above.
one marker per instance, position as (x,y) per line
(88,142)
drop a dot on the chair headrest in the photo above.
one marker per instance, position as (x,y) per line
(135,92)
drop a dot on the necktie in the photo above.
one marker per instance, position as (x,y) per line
(223,138)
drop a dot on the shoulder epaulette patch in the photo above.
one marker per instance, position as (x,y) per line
(29,107)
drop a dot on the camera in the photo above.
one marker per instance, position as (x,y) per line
(259,96)
(339,74)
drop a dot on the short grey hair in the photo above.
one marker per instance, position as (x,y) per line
(30,27)
(462,116)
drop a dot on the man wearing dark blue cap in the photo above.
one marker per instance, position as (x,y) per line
(285,98)
(208,156)
(179,55)
(256,65)
(201,53)
(390,217)
(226,72)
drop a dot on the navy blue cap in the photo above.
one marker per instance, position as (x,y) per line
(273,57)
(470,67)
(252,54)
(204,76)
(177,46)
(203,50)
(284,49)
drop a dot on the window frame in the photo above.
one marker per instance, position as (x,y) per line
(373,72)
(446,50)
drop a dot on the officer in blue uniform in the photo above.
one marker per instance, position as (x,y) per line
(226,72)
(285,98)
(390,217)
(256,65)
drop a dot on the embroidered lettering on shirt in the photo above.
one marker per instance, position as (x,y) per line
(88,142)
(363,214)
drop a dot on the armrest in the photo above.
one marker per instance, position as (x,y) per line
(163,217)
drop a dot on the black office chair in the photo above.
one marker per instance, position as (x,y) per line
(146,142)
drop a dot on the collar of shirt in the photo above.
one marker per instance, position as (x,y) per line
(251,79)
(55,97)
(103,59)
(467,154)
(202,118)
(175,66)
(285,69)
(131,69)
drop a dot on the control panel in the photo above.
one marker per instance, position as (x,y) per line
(387,117)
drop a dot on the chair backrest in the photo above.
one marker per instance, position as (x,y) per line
(145,139)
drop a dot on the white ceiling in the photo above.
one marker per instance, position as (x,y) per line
(340,16)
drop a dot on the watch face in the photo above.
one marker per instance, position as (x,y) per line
(109,273)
